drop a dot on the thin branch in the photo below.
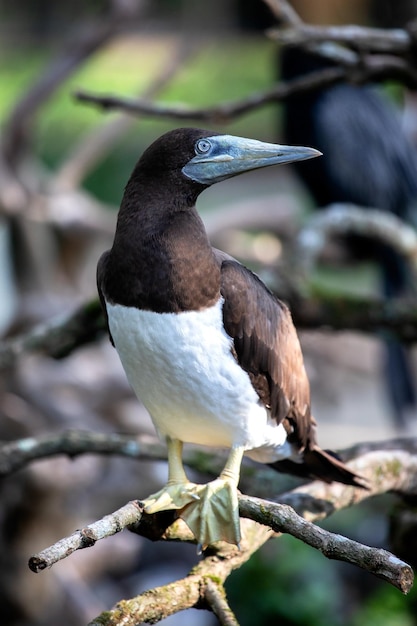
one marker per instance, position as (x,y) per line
(215,596)
(284,12)
(283,518)
(156,604)
(370,53)
(17,454)
(368,67)
(394,41)
(220,113)
(86,537)
(395,470)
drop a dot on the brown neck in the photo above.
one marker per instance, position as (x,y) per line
(161,258)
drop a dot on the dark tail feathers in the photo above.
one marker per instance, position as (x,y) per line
(321,464)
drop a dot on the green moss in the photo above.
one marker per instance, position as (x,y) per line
(393,467)
(102,620)
(215,579)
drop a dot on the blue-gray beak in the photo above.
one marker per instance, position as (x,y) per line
(223,156)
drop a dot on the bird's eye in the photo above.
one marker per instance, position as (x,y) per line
(202,146)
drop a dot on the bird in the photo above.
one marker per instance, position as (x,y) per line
(367,161)
(208,349)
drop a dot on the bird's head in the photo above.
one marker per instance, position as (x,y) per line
(217,157)
(205,157)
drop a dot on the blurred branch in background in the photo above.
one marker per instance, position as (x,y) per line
(219,113)
(296,31)
(61,336)
(381,54)
(365,69)
(339,220)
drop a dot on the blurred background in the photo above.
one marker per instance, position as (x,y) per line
(63,167)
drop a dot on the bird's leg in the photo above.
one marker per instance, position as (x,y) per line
(211,511)
(215,515)
(178,491)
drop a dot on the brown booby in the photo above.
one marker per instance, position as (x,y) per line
(209,350)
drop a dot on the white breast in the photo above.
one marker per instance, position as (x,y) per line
(182,369)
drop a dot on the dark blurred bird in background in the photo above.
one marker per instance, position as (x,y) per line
(368,161)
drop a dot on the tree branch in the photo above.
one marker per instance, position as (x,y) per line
(156,604)
(189,592)
(386,471)
(282,518)
(375,40)
(384,54)
(368,67)
(338,220)
(363,38)
(109,525)
(284,12)
(58,337)
(73,443)
(17,454)
(219,113)
(62,335)
(215,597)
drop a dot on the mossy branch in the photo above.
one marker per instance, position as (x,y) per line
(386,469)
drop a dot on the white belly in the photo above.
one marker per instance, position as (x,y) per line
(182,369)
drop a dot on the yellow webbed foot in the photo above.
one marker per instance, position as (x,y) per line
(214,514)
(172,496)
(210,511)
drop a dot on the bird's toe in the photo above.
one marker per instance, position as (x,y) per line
(174,496)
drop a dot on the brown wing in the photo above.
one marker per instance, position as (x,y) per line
(267,347)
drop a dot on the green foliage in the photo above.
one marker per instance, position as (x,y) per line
(290,584)
(18,68)
(227,70)
(386,607)
(286,583)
